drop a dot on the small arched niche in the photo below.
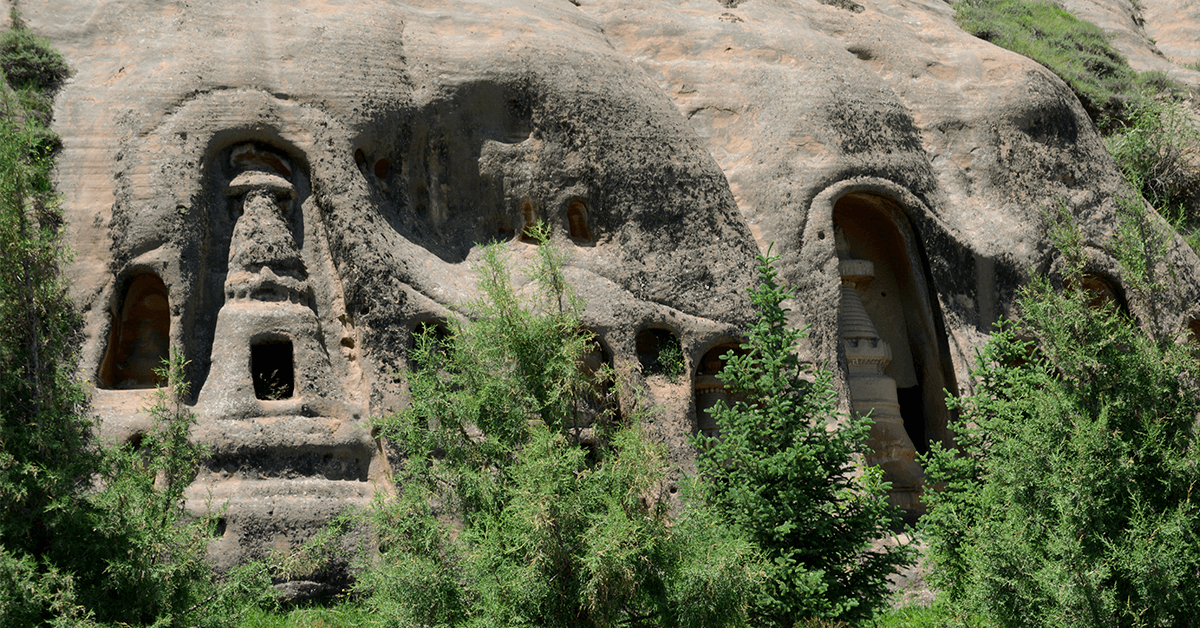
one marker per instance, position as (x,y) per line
(382,167)
(273,368)
(577,221)
(900,304)
(709,388)
(140,339)
(659,352)
(529,221)
(1103,292)
(1194,328)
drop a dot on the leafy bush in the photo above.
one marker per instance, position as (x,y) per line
(1070,498)
(779,473)
(45,438)
(1159,153)
(29,61)
(504,519)
(88,532)
(1077,51)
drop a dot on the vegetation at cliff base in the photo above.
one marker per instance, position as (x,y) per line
(90,532)
(504,518)
(1070,496)
(779,473)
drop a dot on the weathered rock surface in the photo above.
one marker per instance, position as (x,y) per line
(1175,27)
(1136,27)
(305,183)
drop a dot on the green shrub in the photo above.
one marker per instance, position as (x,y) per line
(1070,498)
(29,61)
(1158,150)
(503,519)
(46,448)
(1077,51)
(669,361)
(780,474)
(89,532)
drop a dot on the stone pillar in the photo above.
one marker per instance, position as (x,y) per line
(867,355)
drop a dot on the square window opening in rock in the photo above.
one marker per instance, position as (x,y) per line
(273,371)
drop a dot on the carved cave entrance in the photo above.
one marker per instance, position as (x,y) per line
(600,397)
(140,336)
(659,352)
(897,355)
(577,222)
(710,389)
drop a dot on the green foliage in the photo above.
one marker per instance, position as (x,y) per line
(1070,499)
(938,615)
(1159,153)
(141,564)
(1077,51)
(29,61)
(503,519)
(668,361)
(88,532)
(782,474)
(45,439)
(112,545)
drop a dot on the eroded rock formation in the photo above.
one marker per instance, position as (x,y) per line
(284,191)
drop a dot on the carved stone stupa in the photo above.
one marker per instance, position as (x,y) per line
(874,392)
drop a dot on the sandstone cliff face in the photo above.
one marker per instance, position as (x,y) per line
(1175,27)
(284,191)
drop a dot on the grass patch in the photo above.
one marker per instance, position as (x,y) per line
(1078,52)
(920,616)
(344,615)
(1148,124)
(1158,150)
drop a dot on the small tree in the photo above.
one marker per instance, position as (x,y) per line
(45,438)
(504,520)
(783,470)
(89,532)
(1071,497)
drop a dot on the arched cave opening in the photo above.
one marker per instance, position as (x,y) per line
(577,221)
(600,399)
(900,303)
(140,339)
(709,389)
(659,352)
(435,331)
(529,219)
(1104,292)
